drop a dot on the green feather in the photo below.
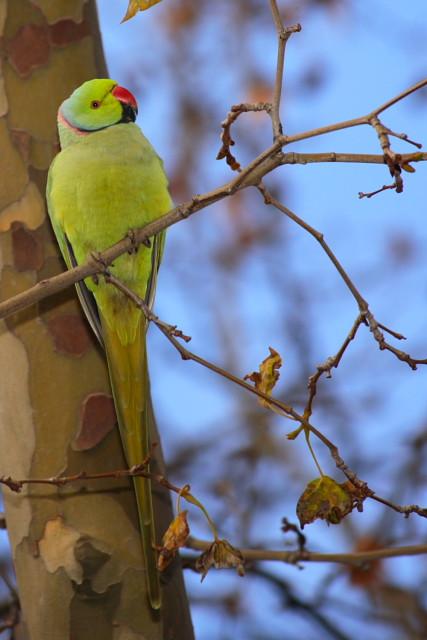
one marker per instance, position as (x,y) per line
(102,184)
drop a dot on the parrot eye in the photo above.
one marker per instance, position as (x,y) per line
(95,104)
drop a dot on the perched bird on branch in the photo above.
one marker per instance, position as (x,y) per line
(106,181)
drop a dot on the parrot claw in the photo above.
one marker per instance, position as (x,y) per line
(97,256)
(132,237)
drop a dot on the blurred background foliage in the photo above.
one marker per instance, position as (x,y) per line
(239,277)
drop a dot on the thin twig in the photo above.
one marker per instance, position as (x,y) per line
(168,331)
(370,194)
(292,157)
(390,157)
(406,510)
(330,363)
(290,526)
(283,35)
(269,199)
(226,138)
(140,470)
(251,175)
(364,310)
(404,94)
(361,489)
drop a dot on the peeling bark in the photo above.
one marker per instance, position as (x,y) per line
(76,549)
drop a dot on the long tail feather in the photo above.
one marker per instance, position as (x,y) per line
(130,384)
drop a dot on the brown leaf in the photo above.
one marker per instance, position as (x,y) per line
(221,555)
(267,376)
(175,537)
(324,498)
(138,5)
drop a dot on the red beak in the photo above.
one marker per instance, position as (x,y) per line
(127,99)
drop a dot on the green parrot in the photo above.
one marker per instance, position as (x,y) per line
(106,181)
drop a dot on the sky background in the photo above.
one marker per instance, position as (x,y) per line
(359,55)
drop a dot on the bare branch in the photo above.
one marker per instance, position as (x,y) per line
(291,157)
(226,138)
(355,558)
(330,363)
(251,175)
(364,310)
(415,87)
(361,489)
(370,194)
(283,35)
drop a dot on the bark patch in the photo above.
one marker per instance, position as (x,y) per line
(27,249)
(66,31)
(70,334)
(98,419)
(29,48)
(57,548)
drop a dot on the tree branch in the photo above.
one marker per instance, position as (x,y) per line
(251,175)
(171,332)
(283,35)
(355,558)
(369,319)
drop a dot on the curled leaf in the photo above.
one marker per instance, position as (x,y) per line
(326,499)
(221,555)
(175,537)
(265,379)
(138,5)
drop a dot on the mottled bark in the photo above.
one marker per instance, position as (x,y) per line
(76,549)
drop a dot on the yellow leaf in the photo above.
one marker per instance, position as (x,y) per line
(138,5)
(324,498)
(267,376)
(175,537)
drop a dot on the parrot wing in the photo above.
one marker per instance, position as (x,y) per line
(86,298)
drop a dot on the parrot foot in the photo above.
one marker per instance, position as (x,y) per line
(135,245)
(97,256)
(132,237)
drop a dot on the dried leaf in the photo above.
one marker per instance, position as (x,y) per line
(265,379)
(221,555)
(324,498)
(138,5)
(175,537)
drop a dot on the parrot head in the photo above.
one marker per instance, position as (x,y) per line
(98,104)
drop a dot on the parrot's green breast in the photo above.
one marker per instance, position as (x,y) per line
(100,187)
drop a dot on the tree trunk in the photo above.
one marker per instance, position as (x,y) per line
(76,549)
